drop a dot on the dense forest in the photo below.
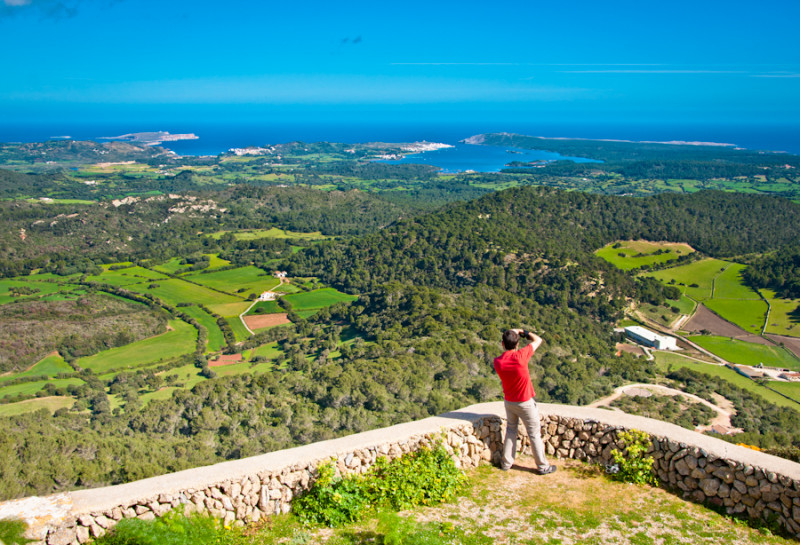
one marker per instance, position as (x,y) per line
(436,292)
(779,271)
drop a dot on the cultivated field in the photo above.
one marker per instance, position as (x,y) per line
(49,366)
(180,339)
(318,299)
(632,254)
(30,388)
(215,338)
(174,291)
(51,403)
(746,353)
(696,280)
(244,280)
(253,234)
(262,321)
(127,276)
(666,360)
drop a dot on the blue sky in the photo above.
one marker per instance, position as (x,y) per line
(704,61)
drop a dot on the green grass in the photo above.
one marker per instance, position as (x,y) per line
(791,389)
(318,299)
(666,359)
(253,234)
(730,285)
(701,273)
(239,330)
(44,288)
(173,266)
(244,367)
(748,314)
(626,255)
(244,280)
(180,340)
(49,366)
(215,261)
(745,353)
(781,321)
(30,388)
(269,351)
(215,338)
(128,276)
(267,307)
(176,291)
(52,404)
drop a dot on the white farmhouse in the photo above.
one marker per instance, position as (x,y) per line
(649,338)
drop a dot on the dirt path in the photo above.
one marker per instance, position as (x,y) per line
(724,408)
(281,280)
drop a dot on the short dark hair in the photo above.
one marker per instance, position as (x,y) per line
(510,339)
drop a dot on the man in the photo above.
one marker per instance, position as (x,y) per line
(512,368)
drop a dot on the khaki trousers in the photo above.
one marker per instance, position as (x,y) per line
(528,412)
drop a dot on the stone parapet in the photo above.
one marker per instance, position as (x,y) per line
(701,468)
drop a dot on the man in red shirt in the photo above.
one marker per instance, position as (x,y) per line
(512,368)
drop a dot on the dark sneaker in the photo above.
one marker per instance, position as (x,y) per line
(546,471)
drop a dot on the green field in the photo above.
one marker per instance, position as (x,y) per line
(30,388)
(175,265)
(790,389)
(317,299)
(784,315)
(632,254)
(215,338)
(252,234)
(174,291)
(702,273)
(665,360)
(44,288)
(126,277)
(730,285)
(745,353)
(269,351)
(52,404)
(179,340)
(748,314)
(244,280)
(266,307)
(49,366)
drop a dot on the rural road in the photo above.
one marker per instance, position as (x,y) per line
(724,412)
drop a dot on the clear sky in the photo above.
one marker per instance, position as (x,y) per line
(704,60)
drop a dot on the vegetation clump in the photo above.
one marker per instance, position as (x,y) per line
(632,465)
(424,477)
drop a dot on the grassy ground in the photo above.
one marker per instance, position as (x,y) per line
(791,389)
(176,291)
(49,366)
(180,340)
(124,277)
(576,505)
(266,307)
(243,280)
(30,388)
(702,273)
(627,255)
(215,338)
(748,314)
(40,288)
(665,360)
(318,299)
(745,353)
(253,234)
(781,318)
(52,404)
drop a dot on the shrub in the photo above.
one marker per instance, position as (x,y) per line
(172,529)
(632,465)
(12,532)
(424,477)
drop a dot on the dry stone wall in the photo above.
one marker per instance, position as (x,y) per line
(701,468)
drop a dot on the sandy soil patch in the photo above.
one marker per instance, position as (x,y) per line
(226,359)
(260,321)
(630,348)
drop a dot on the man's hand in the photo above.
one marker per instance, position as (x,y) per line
(535,339)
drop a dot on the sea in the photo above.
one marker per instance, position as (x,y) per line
(218,137)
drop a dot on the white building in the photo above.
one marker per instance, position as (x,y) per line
(649,338)
(267,296)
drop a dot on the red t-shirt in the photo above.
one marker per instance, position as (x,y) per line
(512,368)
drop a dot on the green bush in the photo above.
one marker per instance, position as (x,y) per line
(424,477)
(632,465)
(172,529)
(12,532)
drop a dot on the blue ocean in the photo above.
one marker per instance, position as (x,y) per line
(217,137)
